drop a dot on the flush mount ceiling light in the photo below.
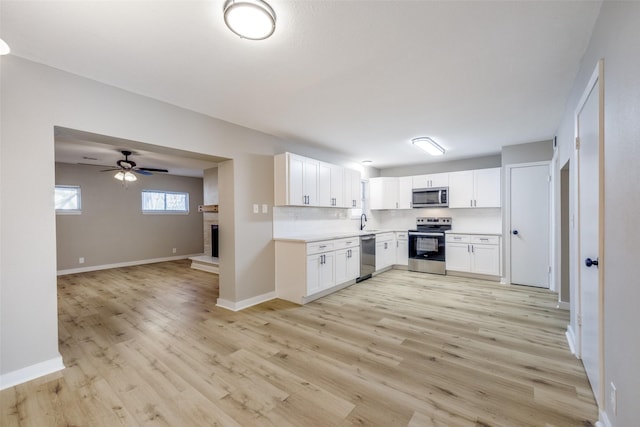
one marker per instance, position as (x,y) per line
(429,145)
(250,19)
(126,176)
(367,162)
(4,48)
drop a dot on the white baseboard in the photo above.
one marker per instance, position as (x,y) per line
(32,372)
(241,305)
(571,340)
(604,420)
(209,268)
(563,305)
(122,264)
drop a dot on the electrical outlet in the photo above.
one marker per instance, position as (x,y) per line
(81,260)
(256,208)
(265,208)
(174,250)
(613,398)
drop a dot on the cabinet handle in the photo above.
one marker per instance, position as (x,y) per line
(472,250)
(322,246)
(470,203)
(475,203)
(468,248)
(484,239)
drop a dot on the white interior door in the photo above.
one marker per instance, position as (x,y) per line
(589,190)
(529,221)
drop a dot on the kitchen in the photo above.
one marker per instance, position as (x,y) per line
(320,246)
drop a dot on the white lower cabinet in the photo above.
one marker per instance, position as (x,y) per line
(402,248)
(385,250)
(347,264)
(477,254)
(320,272)
(304,271)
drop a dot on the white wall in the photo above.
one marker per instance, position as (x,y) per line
(616,38)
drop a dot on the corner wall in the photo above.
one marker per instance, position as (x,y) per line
(616,39)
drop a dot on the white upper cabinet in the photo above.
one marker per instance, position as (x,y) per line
(351,196)
(301,181)
(330,185)
(390,192)
(296,180)
(431,181)
(475,189)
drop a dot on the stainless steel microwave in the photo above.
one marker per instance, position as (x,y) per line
(436,197)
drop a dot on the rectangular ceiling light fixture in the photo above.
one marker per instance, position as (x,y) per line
(429,145)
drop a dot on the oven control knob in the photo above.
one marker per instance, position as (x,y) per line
(515,232)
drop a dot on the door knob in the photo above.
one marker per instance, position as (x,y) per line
(515,232)
(589,262)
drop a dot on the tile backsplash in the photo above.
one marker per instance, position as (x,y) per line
(297,221)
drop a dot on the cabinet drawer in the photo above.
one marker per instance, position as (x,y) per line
(318,247)
(485,240)
(346,243)
(384,237)
(458,238)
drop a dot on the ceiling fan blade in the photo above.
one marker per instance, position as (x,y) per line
(142,172)
(152,170)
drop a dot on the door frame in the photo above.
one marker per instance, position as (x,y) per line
(596,77)
(507,222)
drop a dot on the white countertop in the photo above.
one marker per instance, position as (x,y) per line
(308,238)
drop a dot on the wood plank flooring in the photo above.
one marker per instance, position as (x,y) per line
(146,346)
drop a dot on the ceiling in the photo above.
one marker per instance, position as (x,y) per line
(358,77)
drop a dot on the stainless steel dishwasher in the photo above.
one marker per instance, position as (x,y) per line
(367,256)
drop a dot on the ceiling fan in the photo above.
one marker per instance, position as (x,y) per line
(128,168)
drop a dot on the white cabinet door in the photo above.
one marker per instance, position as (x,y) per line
(310,173)
(330,185)
(352,182)
(320,272)
(402,249)
(353,263)
(313,274)
(458,256)
(295,181)
(383,193)
(385,251)
(405,189)
(475,189)
(439,180)
(487,188)
(461,189)
(485,259)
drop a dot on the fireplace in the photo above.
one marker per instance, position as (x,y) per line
(214,240)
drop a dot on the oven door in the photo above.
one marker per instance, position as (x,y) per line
(427,252)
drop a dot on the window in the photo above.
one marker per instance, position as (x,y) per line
(67,199)
(164,202)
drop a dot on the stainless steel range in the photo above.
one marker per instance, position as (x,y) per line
(426,245)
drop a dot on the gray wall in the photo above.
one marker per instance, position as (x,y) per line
(527,153)
(112,228)
(451,166)
(616,39)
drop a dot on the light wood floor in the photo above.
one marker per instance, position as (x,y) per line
(146,346)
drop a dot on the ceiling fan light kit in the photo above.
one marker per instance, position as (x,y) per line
(127,169)
(126,176)
(4,48)
(428,145)
(250,19)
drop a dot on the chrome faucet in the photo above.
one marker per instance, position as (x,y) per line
(363,220)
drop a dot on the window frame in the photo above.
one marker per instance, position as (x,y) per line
(76,211)
(164,211)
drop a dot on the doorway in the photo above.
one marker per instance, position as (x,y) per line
(529,218)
